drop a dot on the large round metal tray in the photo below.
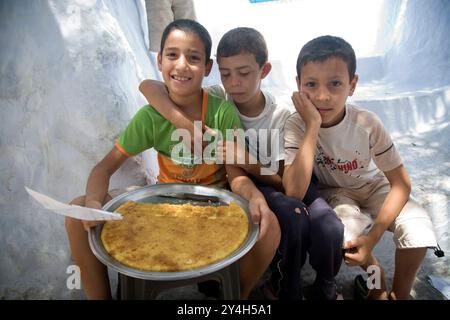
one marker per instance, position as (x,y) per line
(158,194)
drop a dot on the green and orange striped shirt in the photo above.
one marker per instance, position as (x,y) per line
(149,129)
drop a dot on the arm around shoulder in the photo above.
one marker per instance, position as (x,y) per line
(158,97)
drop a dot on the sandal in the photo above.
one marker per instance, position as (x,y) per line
(360,290)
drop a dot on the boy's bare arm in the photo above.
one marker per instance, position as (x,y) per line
(270,178)
(242,185)
(244,160)
(297,176)
(393,204)
(256,169)
(98,181)
(158,97)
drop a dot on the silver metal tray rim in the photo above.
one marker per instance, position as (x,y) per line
(172,188)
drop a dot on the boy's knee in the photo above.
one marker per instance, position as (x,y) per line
(72,223)
(331,224)
(275,225)
(325,221)
(284,204)
(273,234)
(275,199)
(275,196)
(79,201)
(291,213)
(320,210)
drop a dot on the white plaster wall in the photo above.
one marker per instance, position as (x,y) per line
(69,77)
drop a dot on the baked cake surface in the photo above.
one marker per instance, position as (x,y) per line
(171,237)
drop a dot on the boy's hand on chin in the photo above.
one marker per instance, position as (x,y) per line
(306,109)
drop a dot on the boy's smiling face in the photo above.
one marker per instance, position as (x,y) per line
(241,76)
(327,84)
(182,63)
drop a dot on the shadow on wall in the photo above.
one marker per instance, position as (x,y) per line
(416,112)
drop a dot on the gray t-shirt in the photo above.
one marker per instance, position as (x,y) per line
(349,154)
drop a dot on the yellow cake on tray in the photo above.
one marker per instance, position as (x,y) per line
(174,237)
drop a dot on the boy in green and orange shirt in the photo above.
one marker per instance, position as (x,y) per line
(184,61)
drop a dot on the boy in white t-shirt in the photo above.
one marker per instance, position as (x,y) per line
(358,167)
(243,63)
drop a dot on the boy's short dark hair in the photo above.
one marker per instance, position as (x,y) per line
(243,40)
(191,26)
(324,47)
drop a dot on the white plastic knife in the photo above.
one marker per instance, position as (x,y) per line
(73,211)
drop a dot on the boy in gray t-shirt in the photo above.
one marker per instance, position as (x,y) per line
(360,172)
